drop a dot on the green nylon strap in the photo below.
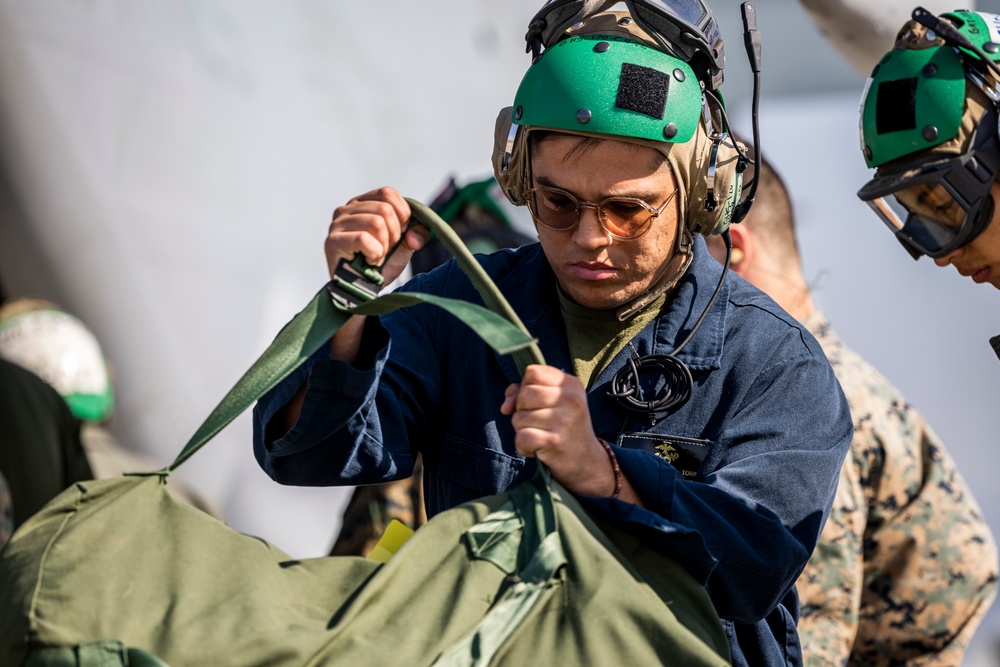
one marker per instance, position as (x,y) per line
(315,325)
(525,539)
(528,519)
(490,293)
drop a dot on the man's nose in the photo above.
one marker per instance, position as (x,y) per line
(947,259)
(589,233)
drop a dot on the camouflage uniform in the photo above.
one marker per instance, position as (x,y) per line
(371,508)
(906,567)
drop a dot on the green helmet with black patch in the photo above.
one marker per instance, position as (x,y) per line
(655,96)
(607,78)
(929,128)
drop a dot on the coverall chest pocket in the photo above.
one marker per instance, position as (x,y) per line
(684,454)
(471,471)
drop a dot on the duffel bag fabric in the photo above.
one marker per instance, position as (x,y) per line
(114,569)
(115,572)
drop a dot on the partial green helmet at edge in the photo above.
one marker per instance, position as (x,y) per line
(915,98)
(606,84)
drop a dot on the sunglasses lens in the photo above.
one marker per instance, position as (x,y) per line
(554,208)
(622,217)
(625,218)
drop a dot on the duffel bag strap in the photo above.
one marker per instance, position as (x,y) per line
(498,326)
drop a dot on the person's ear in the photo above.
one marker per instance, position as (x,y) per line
(743,249)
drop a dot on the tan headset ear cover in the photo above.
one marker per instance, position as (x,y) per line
(727,190)
(689,161)
(513,179)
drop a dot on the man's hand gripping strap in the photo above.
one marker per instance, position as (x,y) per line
(353,291)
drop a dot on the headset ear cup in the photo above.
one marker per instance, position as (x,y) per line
(507,166)
(707,215)
(729,206)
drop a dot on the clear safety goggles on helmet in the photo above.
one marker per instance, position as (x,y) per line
(686,28)
(935,208)
(931,219)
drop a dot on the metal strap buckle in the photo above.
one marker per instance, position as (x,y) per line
(355,282)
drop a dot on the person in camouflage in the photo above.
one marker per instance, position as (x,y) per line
(372,508)
(906,567)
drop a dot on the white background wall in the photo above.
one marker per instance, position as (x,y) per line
(169,169)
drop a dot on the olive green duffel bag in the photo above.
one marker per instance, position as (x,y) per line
(115,572)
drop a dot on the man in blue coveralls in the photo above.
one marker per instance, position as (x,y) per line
(678,401)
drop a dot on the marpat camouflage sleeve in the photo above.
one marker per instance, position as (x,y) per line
(906,566)
(371,508)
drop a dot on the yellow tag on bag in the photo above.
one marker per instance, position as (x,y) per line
(396,533)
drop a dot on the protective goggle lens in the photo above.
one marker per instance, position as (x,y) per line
(621,217)
(692,11)
(928,218)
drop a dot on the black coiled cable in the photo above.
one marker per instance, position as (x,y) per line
(674,377)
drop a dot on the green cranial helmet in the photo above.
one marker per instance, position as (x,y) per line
(606,78)
(914,101)
(929,128)
(915,97)
(609,85)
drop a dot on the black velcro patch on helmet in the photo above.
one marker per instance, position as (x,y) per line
(643,90)
(896,106)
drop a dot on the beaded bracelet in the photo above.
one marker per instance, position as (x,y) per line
(614,466)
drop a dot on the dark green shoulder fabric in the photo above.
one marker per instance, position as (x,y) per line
(40,450)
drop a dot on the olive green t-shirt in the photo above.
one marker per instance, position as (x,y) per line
(595,337)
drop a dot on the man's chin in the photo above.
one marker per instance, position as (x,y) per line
(597,299)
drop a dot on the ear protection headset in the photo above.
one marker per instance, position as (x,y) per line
(607,78)
(599,81)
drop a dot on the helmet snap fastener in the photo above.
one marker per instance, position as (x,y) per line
(679,74)
(670,131)
(929,70)
(930,133)
(583,115)
(518,112)
(991,47)
(601,47)
(625,20)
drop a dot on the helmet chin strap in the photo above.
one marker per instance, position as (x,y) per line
(671,273)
